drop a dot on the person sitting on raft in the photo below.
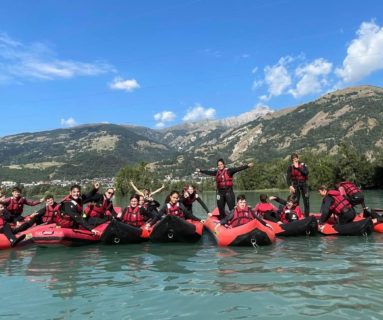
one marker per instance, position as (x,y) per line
(136,215)
(334,203)
(240,215)
(353,194)
(5,228)
(173,207)
(290,210)
(148,196)
(266,210)
(100,208)
(15,204)
(224,183)
(190,195)
(71,209)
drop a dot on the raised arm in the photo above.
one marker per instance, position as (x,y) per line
(203,205)
(237,169)
(158,190)
(136,189)
(207,172)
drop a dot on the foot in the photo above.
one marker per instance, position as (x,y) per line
(15,241)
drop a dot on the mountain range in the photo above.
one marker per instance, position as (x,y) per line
(353,115)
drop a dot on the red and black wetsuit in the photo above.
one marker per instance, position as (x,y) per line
(353,194)
(99,209)
(297,177)
(188,201)
(16,206)
(335,203)
(266,210)
(224,183)
(137,216)
(178,210)
(71,212)
(238,217)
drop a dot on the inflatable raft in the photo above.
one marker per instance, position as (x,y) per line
(253,233)
(174,229)
(304,227)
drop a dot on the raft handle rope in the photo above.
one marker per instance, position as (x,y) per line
(116,240)
(308,232)
(170,235)
(253,242)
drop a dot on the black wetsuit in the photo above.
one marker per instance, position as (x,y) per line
(300,186)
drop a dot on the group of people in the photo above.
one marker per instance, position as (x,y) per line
(143,210)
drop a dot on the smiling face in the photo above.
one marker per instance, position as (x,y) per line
(322,193)
(220,165)
(174,198)
(75,193)
(190,190)
(16,194)
(142,201)
(133,202)
(109,193)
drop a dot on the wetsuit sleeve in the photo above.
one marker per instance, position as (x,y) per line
(209,172)
(29,202)
(203,205)
(188,214)
(227,218)
(304,170)
(232,171)
(92,196)
(325,209)
(5,201)
(69,209)
(281,201)
(288,176)
(37,218)
(112,211)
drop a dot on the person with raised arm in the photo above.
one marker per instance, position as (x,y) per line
(146,193)
(224,183)
(297,176)
(189,195)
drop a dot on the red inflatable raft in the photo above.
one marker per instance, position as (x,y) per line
(250,234)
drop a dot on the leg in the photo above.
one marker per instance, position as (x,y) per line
(221,204)
(230,198)
(306,200)
(347,216)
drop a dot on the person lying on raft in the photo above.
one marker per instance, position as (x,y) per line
(15,204)
(148,196)
(71,209)
(5,228)
(224,183)
(136,215)
(290,210)
(47,214)
(334,203)
(100,208)
(173,207)
(266,210)
(189,195)
(240,215)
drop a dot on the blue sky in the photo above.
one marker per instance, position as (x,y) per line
(159,63)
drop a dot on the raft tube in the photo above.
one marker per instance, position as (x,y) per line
(174,229)
(356,228)
(250,234)
(118,232)
(304,227)
(52,235)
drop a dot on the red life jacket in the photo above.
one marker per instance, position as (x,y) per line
(289,215)
(191,197)
(50,213)
(64,220)
(241,217)
(223,179)
(174,210)
(264,207)
(296,175)
(339,202)
(16,206)
(349,188)
(2,221)
(133,216)
(96,210)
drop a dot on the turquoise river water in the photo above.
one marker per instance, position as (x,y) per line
(295,278)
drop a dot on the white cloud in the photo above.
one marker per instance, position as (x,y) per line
(38,61)
(163,118)
(313,77)
(364,54)
(69,123)
(257,84)
(199,113)
(277,77)
(129,85)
